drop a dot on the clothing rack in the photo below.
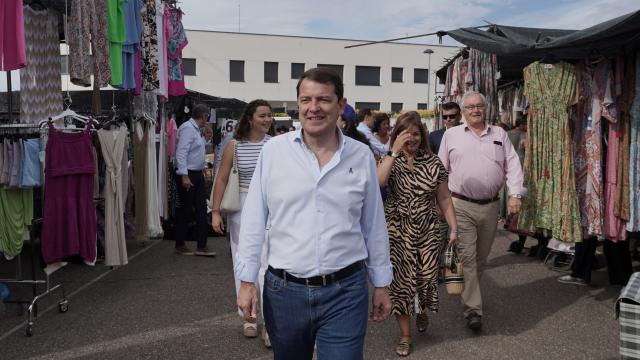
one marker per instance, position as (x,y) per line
(32,310)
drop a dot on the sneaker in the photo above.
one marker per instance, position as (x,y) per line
(265,338)
(183,250)
(250,330)
(568,279)
(474,322)
(205,251)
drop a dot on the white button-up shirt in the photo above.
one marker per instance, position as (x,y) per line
(190,151)
(316,221)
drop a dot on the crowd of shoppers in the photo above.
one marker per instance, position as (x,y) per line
(313,230)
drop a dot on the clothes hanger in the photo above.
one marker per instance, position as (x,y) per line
(37,5)
(550,58)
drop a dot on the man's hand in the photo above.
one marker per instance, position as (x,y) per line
(248,301)
(513,205)
(186,182)
(381,304)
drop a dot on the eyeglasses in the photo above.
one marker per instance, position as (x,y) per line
(475,107)
(451,117)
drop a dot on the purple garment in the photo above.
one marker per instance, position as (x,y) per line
(69,225)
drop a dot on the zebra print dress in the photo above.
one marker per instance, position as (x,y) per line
(413,223)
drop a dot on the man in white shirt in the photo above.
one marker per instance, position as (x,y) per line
(314,197)
(365,122)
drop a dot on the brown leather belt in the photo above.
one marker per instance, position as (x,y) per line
(480,202)
(319,281)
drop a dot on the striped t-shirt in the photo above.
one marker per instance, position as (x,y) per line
(248,153)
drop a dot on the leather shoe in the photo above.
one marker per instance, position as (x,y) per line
(474,322)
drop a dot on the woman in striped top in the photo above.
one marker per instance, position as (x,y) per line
(253,130)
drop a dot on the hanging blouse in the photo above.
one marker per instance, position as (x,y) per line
(634,155)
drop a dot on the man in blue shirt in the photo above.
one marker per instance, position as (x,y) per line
(314,198)
(190,159)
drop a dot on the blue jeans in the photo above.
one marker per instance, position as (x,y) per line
(334,317)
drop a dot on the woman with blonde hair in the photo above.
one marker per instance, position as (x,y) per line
(417,183)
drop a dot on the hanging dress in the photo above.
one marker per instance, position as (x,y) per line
(69,219)
(112,143)
(634,155)
(141,182)
(40,82)
(548,170)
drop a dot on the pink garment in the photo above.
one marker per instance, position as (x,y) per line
(172,134)
(69,221)
(176,41)
(478,165)
(614,227)
(13,55)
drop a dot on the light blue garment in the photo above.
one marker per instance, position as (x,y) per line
(220,149)
(31,173)
(133,31)
(190,151)
(316,221)
(379,149)
(363,128)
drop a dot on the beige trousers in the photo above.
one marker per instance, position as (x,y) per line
(477,229)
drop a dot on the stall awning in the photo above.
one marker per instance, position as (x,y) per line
(518,46)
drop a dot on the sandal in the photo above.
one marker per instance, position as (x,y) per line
(250,330)
(403,348)
(422,321)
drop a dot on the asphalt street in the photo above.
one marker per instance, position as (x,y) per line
(166,306)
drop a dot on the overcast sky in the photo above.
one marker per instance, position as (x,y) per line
(385,19)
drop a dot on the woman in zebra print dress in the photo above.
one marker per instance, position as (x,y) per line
(416,179)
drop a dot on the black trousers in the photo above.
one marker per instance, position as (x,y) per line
(191,203)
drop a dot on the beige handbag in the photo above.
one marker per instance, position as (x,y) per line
(453,275)
(231,199)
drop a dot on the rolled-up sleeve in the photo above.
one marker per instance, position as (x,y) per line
(512,168)
(374,230)
(252,232)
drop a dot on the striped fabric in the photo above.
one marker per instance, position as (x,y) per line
(248,153)
(628,312)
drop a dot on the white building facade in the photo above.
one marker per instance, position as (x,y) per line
(387,76)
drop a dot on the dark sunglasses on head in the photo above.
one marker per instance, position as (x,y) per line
(446,117)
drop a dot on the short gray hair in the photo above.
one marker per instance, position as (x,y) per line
(471,93)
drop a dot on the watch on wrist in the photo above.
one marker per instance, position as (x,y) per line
(517,196)
(393,154)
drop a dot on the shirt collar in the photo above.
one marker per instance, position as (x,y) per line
(297,137)
(194,123)
(487,128)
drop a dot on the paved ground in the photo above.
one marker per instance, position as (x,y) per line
(164,306)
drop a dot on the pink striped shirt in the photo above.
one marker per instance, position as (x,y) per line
(479,165)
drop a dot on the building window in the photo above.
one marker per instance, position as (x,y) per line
(297,69)
(423,106)
(396,74)
(337,68)
(189,66)
(396,107)
(421,76)
(368,105)
(368,75)
(270,72)
(236,70)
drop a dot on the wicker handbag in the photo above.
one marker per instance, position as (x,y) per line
(231,199)
(453,275)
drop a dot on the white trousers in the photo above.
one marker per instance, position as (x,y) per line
(233,222)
